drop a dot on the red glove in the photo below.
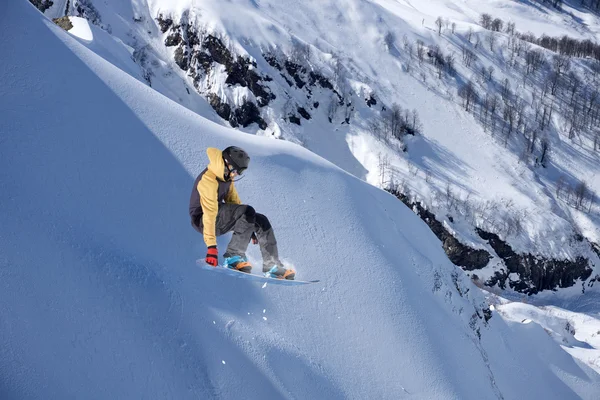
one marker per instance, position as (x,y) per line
(254,239)
(212,256)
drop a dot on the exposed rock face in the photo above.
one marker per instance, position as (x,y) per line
(294,119)
(371,101)
(42,5)
(222,109)
(63,22)
(173,39)
(247,114)
(181,58)
(198,52)
(460,254)
(303,113)
(535,273)
(164,23)
(297,75)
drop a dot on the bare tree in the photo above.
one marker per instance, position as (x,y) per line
(509,114)
(420,50)
(376,128)
(534,59)
(491,40)
(468,56)
(510,28)
(449,63)
(485,20)
(470,34)
(581,191)
(390,40)
(408,46)
(544,152)
(439,22)
(560,186)
(383,163)
(505,89)
(561,65)
(574,85)
(469,95)
(497,25)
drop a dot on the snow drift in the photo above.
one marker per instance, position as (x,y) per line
(100,296)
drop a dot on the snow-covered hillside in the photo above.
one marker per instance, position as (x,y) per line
(100,296)
(321,73)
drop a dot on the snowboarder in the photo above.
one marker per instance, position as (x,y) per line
(216,208)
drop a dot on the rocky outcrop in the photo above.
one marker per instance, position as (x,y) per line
(535,273)
(197,53)
(298,76)
(222,109)
(63,22)
(247,114)
(164,23)
(303,113)
(42,5)
(461,255)
(371,101)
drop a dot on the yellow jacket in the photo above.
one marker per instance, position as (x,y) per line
(211,189)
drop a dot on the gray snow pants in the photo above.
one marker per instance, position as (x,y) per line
(243,220)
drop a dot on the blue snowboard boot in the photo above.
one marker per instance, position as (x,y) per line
(280,272)
(238,263)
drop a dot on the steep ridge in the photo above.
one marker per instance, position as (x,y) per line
(100,298)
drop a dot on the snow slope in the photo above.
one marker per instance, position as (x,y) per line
(488,177)
(100,298)
(577,333)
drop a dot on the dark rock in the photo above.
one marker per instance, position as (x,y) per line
(222,109)
(460,254)
(303,113)
(181,58)
(315,77)
(42,5)
(240,74)
(191,35)
(535,273)
(294,119)
(63,22)
(173,39)
(316,104)
(371,101)
(217,50)
(272,61)
(248,114)
(203,60)
(295,71)
(164,23)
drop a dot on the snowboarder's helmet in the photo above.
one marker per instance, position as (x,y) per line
(237,158)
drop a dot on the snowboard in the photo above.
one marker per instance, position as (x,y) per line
(252,277)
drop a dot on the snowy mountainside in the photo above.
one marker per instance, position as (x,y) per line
(320,73)
(99,296)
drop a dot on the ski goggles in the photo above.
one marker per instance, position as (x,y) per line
(238,171)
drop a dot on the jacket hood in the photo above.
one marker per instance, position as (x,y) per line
(216,164)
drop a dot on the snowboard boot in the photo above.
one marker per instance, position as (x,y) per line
(238,263)
(280,272)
